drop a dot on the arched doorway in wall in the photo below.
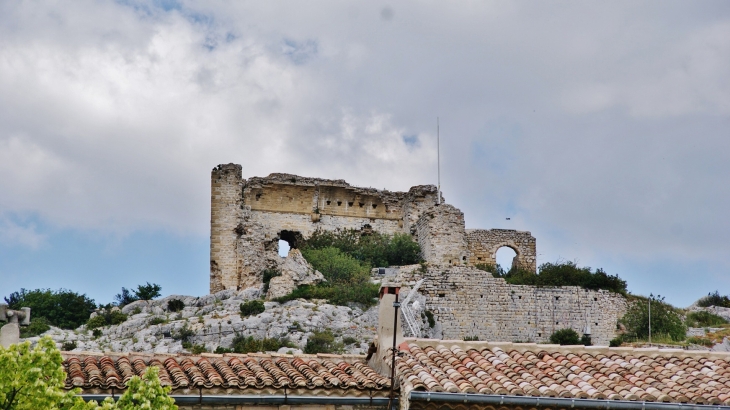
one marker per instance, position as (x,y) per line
(505,258)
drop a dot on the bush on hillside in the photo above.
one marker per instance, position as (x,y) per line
(62,308)
(322,342)
(665,320)
(269,274)
(704,319)
(560,274)
(244,344)
(372,249)
(714,299)
(106,317)
(143,292)
(175,305)
(348,280)
(36,327)
(252,308)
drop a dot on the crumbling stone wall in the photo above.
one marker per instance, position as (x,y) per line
(441,236)
(483,246)
(468,302)
(248,217)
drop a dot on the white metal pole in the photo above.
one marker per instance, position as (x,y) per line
(649,321)
(438,156)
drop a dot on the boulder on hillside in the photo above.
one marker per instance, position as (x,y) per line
(295,271)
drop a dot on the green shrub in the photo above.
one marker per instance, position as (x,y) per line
(62,308)
(184,334)
(248,344)
(372,249)
(471,338)
(704,319)
(222,350)
(429,317)
(348,281)
(714,299)
(116,317)
(616,341)
(37,326)
(269,274)
(175,305)
(68,346)
(157,320)
(252,308)
(565,336)
(559,274)
(143,292)
(665,320)
(96,333)
(348,340)
(585,340)
(95,322)
(197,349)
(700,341)
(322,342)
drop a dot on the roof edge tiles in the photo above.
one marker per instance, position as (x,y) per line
(575,349)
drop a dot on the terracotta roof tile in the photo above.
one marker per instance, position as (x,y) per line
(258,371)
(555,371)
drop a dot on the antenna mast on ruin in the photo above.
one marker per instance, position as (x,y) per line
(438,162)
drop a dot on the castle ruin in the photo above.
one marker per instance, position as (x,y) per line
(250,216)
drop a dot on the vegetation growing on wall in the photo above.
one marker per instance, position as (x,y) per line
(560,274)
(372,249)
(348,280)
(62,308)
(704,319)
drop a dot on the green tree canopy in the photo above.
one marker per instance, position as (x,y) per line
(664,319)
(62,308)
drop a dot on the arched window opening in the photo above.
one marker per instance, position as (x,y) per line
(288,240)
(506,258)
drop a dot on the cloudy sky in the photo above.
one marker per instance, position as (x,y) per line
(601,127)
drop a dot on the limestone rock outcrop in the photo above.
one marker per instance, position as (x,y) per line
(295,271)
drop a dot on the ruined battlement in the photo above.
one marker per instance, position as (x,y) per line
(250,216)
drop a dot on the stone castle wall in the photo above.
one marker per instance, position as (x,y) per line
(468,302)
(441,235)
(483,246)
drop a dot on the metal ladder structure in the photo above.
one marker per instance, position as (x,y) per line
(413,325)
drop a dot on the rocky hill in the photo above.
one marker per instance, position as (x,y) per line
(216,319)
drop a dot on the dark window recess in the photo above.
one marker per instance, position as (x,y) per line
(329,202)
(463,258)
(361,204)
(375,206)
(596,323)
(339,203)
(481,296)
(528,323)
(381,271)
(350,203)
(479,258)
(557,323)
(595,299)
(557,297)
(539,335)
(442,295)
(519,297)
(258,196)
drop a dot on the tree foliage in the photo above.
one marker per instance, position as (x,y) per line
(560,274)
(348,280)
(32,379)
(244,344)
(665,320)
(62,308)
(372,249)
(143,292)
(714,299)
(252,307)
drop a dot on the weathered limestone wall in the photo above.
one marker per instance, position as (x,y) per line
(225,214)
(483,245)
(248,217)
(442,236)
(468,302)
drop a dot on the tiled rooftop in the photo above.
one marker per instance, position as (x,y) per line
(566,372)
(255,371)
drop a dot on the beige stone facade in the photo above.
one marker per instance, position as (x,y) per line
(250,216)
